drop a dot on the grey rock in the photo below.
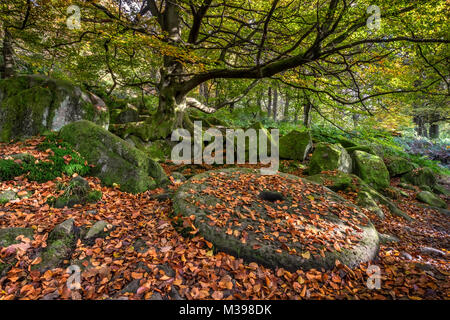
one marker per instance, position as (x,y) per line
(8,195)
(97,230)
(132,287)
(406,255)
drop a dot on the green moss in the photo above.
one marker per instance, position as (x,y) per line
(115,160)
(94,196)
(295,145)
(328,157)
(159,150)
(336,181)
(9,169)
(431,199)
(346,142)
(398,166)
(24,113)
(28,106)
(421,176)
(371,169)
(361,148)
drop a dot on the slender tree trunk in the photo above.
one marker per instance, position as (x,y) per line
(259,103)
(269,103)
(8,56)
(286,108)
(307,115)
(275,104)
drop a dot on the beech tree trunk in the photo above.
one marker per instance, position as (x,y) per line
(434,131)
(7,70)
(307,115)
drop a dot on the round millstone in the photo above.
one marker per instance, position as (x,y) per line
(311,227)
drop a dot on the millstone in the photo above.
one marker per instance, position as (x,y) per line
(311,227)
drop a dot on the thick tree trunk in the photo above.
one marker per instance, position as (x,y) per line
(172,100)
(7,70)
(434,131)
(420,126)
(307,115)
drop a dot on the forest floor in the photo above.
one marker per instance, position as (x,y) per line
(166,264)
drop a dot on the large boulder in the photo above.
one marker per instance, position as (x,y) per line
(33,104)
(431,199)
(421,177)
(371,169)
(309,226)
(327,156)
(398,166)
(115,160)
(295,145)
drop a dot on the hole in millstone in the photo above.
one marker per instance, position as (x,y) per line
(271,196)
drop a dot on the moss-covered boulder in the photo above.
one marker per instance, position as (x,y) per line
(327,156)
(115,160)
(431,199)
(371,169)
(276,233)
(34,104)
(295,145)
(420,176)
(398,166)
